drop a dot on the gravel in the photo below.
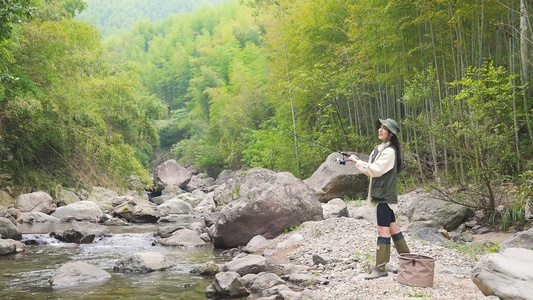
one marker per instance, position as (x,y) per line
(349,245)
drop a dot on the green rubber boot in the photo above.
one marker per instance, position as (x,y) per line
(382,258)
(399,243)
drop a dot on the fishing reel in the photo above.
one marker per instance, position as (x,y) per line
(344,159)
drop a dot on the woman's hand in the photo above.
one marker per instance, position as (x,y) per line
(353,158)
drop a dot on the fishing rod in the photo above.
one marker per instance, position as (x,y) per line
(341,161)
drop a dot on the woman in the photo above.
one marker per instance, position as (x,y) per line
(384,163)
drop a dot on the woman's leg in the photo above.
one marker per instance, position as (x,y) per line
(383,244)
(398,239)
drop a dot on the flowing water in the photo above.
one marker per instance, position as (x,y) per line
(26,275)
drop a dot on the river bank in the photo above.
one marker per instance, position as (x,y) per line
(349,244)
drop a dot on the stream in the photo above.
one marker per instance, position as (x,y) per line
(26,275)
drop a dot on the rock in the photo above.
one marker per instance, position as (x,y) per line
(289,269)
(333,180)
(80,233)
(292,240)
(9,246)
(197,227)
(365,212)
(8,230)
(10,213)
(248,280)
(171,173)
(421,206)
(183,237)
(103,197)
(206,206)
(209,268)
(77,272)
(321,259)
(430,235)
(82,210)
(416,225)
(256,243)
(171,191)
(224,176)
(265,281)
(247,264)
(267,203)
(66,197)
(507,274)
(37,201)
(36,217)
(116,222)
(278,291)
(335,208)
(174,206)
(137,210)
(227,285)
(300,279)
(144,262)
(520,239)
(200,181)
(167,231)
(189,198)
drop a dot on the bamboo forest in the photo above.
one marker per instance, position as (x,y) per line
(89,96)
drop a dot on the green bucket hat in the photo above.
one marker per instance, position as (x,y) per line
(391,125)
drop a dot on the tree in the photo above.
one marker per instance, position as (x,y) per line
(480,134)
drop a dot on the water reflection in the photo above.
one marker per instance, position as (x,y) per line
(26,275)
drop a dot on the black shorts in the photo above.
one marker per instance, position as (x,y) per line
(385,215)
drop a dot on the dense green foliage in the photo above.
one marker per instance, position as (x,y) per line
(111,16)
(67,116)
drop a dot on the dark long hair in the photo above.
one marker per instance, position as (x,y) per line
(396,143)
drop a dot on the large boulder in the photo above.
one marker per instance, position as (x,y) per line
(8,230)
(137,210)
(144,262)
(81,233)
(171,173)
(507,274)
(422,206)
(267,203)
(36,201)
(81,210)
(73,273)
(523,239)
(333,180)
(103,197)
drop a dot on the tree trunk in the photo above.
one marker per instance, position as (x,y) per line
(524,55)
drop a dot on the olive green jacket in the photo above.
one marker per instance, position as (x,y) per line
(384,188)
